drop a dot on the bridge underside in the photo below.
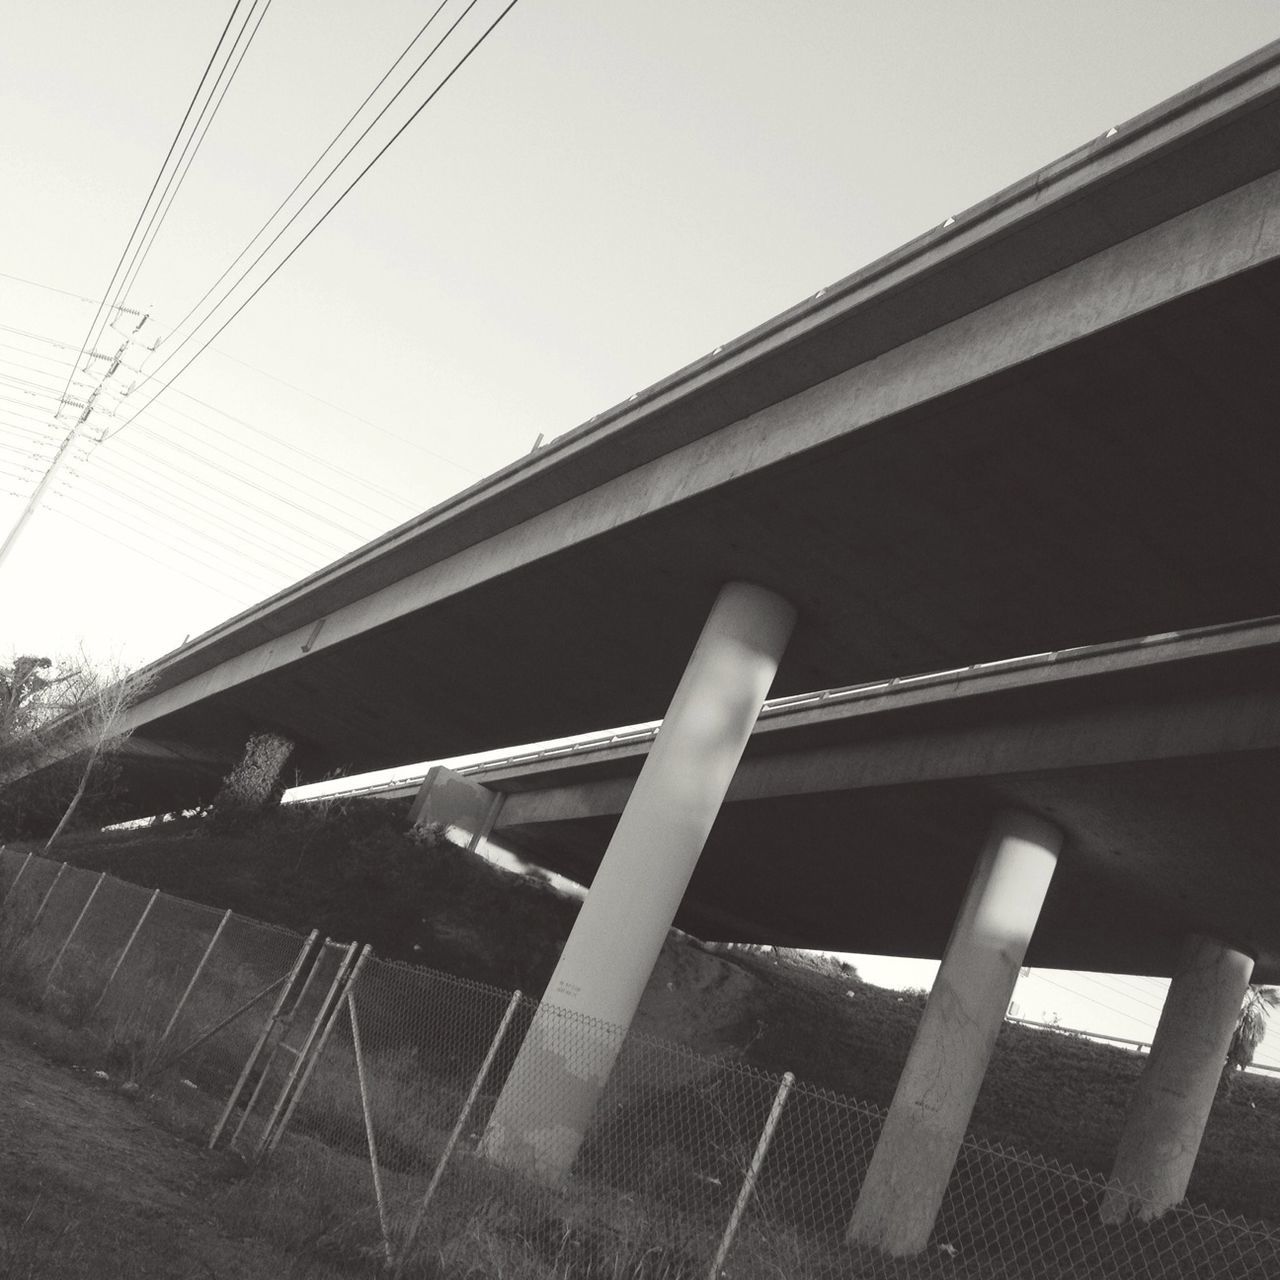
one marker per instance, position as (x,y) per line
(1153,852)
(1122,485)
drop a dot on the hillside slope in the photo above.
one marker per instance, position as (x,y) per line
(352,872)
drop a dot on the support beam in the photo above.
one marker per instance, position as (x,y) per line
(921,1138)
(1171,1102)
(547,1102)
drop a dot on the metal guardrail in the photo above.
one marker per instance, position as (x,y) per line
(843,693)
(1139,1046)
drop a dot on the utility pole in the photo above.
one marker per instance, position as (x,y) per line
(64,449)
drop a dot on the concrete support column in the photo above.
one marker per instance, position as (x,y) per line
(939,1084)
(565,1060)
(1171,1102)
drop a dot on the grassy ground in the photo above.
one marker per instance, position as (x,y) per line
(353,872)
(91,1187)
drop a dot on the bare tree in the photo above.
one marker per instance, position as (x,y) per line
(54,711)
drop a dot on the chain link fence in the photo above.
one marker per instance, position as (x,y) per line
(364,1089)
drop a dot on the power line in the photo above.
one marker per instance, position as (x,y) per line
(272,518)
(285,444)
(208,510)
(161,509)
(1090,999)
(50,288)
(73,434)
(191,149)
(139,508)
(343,494)
(253,582)
(90,338)
(315,164)
(406,440)
(1122,994)
(38,337)
(288,502)
(146,555)
(344,497)
(376,426)
(24,405)
(146,204)
(346,191)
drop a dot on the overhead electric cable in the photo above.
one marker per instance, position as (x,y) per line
(315,164)
(315,226)
(192,147)
(1123,994)
(291,448)
(339,493)
(21,404)
(250,575)
(406,440)
(51,288)
(13,448)
(355,417)
(1090,999)
(139,509)
(191,453)
(6,425)
(34,501)
(343,493)
(31,355)
(227,515)
(237,597)
(252,510)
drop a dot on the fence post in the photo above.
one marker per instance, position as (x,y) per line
(290,978)
(195,977)
(362,1081)
(749,1182)
(128,946)
(310,1053)
(285,1023)
(44,902)
(26,862)
(463,1116)
(62,950)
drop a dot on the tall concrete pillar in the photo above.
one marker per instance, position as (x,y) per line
(922,1133)
(565,1060)
(1171,1102)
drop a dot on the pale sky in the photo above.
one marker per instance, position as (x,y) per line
(603,193)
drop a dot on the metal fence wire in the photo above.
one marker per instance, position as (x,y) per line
(369,1087)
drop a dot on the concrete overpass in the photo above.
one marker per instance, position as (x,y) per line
(1159,757)
(1049,422)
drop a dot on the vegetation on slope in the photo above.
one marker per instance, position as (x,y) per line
(353,872)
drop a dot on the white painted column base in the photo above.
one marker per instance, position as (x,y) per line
(922,1133)
(1173,1096)
(569,1051)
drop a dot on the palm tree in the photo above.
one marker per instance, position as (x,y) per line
(1251,1026)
